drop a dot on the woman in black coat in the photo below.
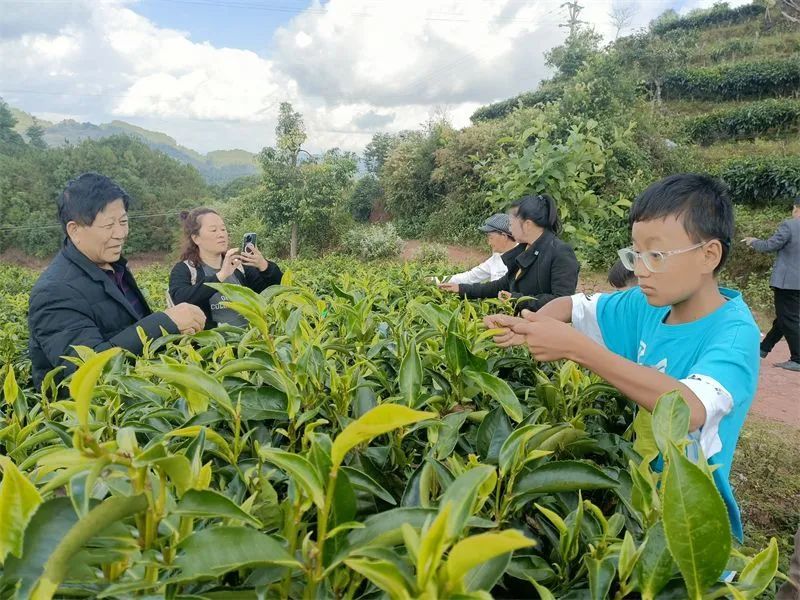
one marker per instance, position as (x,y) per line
(545,266)
(207,258)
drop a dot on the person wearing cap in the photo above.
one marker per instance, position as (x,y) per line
(785,284)
(504,249)
(545,268)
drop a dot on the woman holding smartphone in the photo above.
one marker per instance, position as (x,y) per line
(206,257)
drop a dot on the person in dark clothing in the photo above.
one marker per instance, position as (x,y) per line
(87,296)
(543,267)
(785,284)
(207,258)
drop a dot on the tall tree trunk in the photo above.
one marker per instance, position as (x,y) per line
(293,239)
(293,242)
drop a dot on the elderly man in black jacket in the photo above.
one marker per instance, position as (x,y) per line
(542,266)
(87,296)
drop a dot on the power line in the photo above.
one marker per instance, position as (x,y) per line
(58,226)
(233,4)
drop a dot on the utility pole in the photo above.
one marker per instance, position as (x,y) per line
(573,21)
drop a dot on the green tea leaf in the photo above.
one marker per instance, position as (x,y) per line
(462,494)
(84,380)
(601,576)
(410,376)
(302,472)
(212,552)
(655,566)
(696,523)
(383,574)
(562,476)
(499,390)
(670,420)
(19,500)
(191,378)
(432,545)
(211,504)
(760,571)
(381,419)
(476,549)
(493,432)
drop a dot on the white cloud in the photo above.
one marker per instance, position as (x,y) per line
(350,66)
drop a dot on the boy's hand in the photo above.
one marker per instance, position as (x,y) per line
(749,240)
(548,339)
(449,287)
(505,322)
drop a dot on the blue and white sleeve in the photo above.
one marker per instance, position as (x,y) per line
(584,316)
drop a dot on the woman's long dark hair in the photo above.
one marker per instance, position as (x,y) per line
(542,210)
(190,219)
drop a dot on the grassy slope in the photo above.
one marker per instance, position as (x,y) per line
(766,478)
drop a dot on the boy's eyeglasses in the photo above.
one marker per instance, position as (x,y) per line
(653,259)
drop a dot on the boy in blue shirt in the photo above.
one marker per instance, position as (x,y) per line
(677,330)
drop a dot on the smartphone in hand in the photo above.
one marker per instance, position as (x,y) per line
(248,241)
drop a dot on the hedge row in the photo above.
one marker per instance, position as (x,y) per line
(500,109)
(716,16)
(744,122)
(765,180)
(755,79)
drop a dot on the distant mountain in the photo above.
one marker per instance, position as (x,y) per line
(219,166)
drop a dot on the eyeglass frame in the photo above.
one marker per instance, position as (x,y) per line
(664,253)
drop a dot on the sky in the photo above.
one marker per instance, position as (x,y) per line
(212,73)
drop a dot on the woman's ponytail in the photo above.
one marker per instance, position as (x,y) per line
(541,209)
(553,220)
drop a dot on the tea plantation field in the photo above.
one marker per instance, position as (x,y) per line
(363,438)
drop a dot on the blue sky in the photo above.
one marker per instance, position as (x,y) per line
(226,24)
(212,73)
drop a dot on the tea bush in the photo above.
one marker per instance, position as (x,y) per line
(757,119)
(718,15)
(762,180)
(371,242)
(362,437)
(431,254)
(773,77)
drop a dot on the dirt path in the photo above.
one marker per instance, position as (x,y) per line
(778,395)
(460,255)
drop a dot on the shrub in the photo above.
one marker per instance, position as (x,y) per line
(754,79)
(718,15)
(371,242)
(431,254)
(745,122)
(762,180)
(547,92)
(731,49)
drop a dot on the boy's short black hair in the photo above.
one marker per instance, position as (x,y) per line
(87,195)
(619,276)
(701,201)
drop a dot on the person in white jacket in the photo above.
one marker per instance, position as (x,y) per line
(498,233)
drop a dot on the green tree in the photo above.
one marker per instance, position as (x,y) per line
(406,177)
(10,140)
(379,148)
(304,197)
(365,192)
(656,55)
(280,164)
(35,135)
(579,47)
